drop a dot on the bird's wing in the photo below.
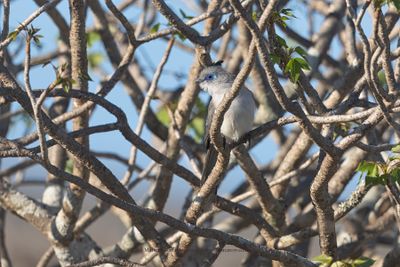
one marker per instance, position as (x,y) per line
(210,115)
(209,163)
(251,93)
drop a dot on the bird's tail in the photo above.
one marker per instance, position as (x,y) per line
(209,163)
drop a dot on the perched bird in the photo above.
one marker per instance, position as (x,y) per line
(238,119)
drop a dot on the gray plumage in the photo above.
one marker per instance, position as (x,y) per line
(238,119)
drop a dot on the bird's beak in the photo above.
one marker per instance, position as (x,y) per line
(198,80)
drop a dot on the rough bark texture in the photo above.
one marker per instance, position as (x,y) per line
(326,86)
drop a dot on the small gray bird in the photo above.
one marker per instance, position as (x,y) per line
(238,119)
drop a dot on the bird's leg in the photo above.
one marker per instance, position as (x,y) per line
(246,140)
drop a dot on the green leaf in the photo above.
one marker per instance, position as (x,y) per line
(281,41)
(370,180)
(284,18)
(367,167)
(379,3)
(288,12)
(95,59)
(363,262)
(32,31)
(294,66)
(375,171)
(299,50)
(275,59)
(384,178)
(303,63)
(13,35)
(69,165)
(66,85)
(200,108)
(340,264)
(162,114)
(197,125)
(282,22)
(198,115)
(324,259)
(254,15)
(155,28)
(382,78)
(36,39)
(284,15)
(376,180)
(184,15)
(396,175)
(396,149)
(64,67)
(292,70)
(92,37)
(163,117)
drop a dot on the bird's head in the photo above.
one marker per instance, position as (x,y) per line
(215,80)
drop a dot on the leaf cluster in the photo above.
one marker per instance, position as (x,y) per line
(324,260)
(294,65)
(282,16)
(380,173)
(31,34)
(61,76)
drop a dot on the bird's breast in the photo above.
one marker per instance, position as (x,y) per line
(238,119)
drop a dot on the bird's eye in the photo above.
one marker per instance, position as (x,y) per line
(210,77)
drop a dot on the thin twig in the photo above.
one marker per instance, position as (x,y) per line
(145,108)
(26,22)
(35,106)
